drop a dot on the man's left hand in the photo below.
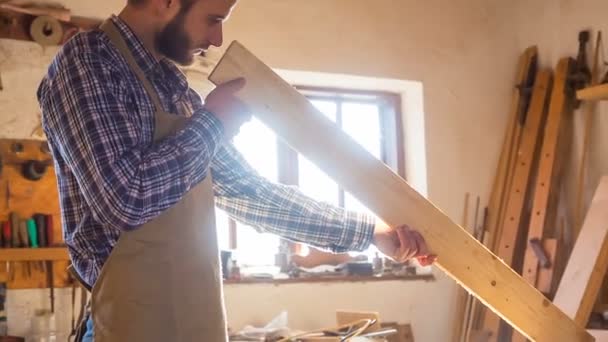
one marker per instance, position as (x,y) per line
(402,243)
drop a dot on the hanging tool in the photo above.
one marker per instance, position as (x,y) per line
(34,170)
(24,243)
(32,233)
(49,230)
(581,76)
(6,243)
(41,229)
(7,235)
(15,229)
(47,31)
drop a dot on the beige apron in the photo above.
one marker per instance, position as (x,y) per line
(162,282)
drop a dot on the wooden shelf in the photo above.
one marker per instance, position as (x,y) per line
(34,254)
(593,93)
(333,279)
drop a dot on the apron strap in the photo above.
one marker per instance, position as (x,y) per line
(111,30)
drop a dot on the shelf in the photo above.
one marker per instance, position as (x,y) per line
(34,254)
(594,93)
(333,279)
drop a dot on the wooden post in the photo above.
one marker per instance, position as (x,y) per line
(511,221)
(468,261)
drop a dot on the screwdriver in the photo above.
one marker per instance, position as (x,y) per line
(6,238)
(42,241)
(25,243)
(32,232)
(6,234)
(40,227)
(15,229)
(49,230)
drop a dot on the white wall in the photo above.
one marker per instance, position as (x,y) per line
(463,53)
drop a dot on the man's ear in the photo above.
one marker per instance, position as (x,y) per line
(166,9)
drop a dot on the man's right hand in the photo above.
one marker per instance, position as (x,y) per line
(224,104)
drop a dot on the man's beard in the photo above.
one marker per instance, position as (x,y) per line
(173,41)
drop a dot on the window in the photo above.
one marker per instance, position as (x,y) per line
(373,119)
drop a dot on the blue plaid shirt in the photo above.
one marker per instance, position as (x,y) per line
(112,178)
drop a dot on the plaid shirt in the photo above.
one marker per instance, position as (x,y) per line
(112,177)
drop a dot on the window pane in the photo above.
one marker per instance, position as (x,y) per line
(328,108)
(221,224)
(312,181)
(258,145)
(362,122)
(255,249)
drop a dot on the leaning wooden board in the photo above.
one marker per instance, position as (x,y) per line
(548,170)
(586,268)
(466,260)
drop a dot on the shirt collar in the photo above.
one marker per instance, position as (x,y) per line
(162,70)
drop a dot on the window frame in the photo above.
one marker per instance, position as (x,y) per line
(392,134)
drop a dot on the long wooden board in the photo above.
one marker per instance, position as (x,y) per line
(548,169)
(513,213)
(588,261)
(469,262)
(526,73)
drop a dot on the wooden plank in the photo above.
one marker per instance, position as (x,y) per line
(588,261)
(525,76)
(469,262)
(548,169)
(34,254)
(593,93)
(523,168)
(512,219)
(590,110)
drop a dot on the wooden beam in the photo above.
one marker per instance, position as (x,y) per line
(510,225)
(587,265)
(34,254)
(523,168)
(469,262)
(593,93)
(526,73)
(547,168)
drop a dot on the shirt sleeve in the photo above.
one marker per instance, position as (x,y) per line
(285,210)
(125,180)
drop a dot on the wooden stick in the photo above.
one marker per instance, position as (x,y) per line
(588,117)
(521,179)
(466,260)
(510,144)
(548,170)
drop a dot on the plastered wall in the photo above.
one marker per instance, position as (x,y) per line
(464,54)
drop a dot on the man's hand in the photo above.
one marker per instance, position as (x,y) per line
(401,244)
(224,104)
